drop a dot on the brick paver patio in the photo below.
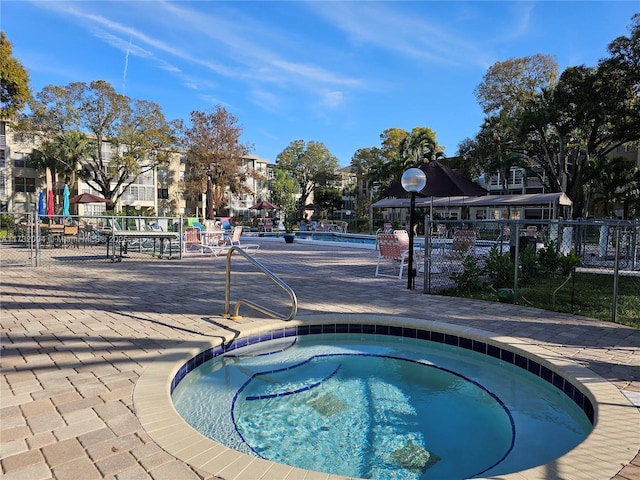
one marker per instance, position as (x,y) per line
(76,337)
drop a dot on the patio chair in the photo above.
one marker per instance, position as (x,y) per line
(216,244)
(393,247)
(192,242)
(235,240)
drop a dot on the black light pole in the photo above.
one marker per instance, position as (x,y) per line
(413,180)
(127,200)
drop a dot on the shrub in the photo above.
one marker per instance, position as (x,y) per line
(6,221)
(499,268)
(529,263)
(548,258)
(469,279)
(568,262)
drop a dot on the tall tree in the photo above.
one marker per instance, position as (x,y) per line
(283,192)
(495,144)
(45,159)
(365,163)
(510,84)
(390,169)
(557,128)
(214,151)
(72,149)
(62,155)
(419,147)
(329,198)
(391,141)
(311,164)
(607,182)
(14,81)
(130,137)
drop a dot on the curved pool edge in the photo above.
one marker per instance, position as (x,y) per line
(601,455)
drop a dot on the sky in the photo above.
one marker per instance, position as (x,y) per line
(334,72)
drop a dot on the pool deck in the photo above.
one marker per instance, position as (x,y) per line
(78,338)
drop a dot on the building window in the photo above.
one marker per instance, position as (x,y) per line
(516,177)
(21,160)
(24,184)
(163,194)
(3,158)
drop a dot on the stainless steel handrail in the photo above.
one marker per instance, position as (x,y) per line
(265,270)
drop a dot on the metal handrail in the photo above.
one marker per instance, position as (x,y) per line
(265,270)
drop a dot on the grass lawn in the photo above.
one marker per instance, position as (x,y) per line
(587,294)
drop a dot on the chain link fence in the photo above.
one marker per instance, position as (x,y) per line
(26,240)
(587,268)
(579,267)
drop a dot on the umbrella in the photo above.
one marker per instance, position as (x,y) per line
(41,205)
(50,204)
(441,182)
(210,213)
(264,205)
(65,201)
(88,198)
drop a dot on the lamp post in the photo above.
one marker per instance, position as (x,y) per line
(413,180)
(127,201)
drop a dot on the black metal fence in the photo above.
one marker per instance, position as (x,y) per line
(569,266)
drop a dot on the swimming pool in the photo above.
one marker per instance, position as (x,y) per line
(353,239)
(302,390)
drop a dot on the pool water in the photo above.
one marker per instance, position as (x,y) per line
(360,239)
(380,407)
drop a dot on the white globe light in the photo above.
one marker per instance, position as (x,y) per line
(413,180)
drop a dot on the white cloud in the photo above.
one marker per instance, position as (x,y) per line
(332,99)
(385,25)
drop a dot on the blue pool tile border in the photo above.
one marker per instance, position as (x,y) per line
(507,356)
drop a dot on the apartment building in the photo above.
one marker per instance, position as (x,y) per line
(156,191)
(521,182)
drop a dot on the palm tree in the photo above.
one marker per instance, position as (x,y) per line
(71,149)
(418,148)
(43,159)
(610,182)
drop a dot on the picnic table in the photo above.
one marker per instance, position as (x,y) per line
(118,239)
(58,235)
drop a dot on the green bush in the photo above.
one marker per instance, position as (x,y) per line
(568,262)
(7,222)
(469,279)
(549,258)
(529,264)
(499,268)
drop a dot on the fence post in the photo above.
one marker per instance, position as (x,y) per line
(516,262)
(34,234)
(426,284)
(616,266)
(180,233)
